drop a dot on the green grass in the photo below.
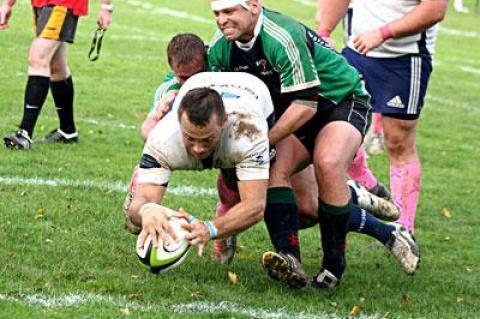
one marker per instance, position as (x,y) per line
(68,240)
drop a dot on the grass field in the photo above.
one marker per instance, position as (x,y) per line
(64,254)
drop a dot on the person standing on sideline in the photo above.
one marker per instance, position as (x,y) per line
(55,23)
(391,45)
(459,7)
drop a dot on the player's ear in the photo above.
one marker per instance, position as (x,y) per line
(255,6)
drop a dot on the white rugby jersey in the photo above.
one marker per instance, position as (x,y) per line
(371,14)
(244,143)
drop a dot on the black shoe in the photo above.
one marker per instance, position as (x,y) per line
(18,140)
(381,191)
(285,268)
(57,136)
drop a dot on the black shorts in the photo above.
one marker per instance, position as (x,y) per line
(55,23)
(355,111)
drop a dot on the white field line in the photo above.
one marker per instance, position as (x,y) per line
(153,8)
(468,107)
(142,31)
(190,191)
(74,300)
(138,38)
(194,308)
(123,32)
(459,61)
(237,309)
(440,100)
(460,33)
(110,124)
(470,69)
(147,6)
(434,99)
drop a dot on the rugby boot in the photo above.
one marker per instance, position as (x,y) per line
(18,140)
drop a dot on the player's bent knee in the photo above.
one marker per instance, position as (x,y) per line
(328,165)
(396,146)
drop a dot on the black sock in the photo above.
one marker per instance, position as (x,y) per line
(35,94)
(364,223)
(62,92)
(353,195)
(281,217)
(334,227)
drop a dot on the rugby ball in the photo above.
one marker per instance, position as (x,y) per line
(167,255)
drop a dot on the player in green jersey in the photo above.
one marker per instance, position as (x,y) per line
(317,96)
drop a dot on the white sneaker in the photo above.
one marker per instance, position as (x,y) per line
(324,279)
(404,248)
(375,144)
(377,206)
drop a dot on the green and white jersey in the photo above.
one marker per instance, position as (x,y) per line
(170,83)
(292,60)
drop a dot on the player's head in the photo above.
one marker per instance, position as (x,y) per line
(186,56)
(202,119)
(236,19)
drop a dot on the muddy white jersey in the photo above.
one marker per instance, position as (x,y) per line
(230,85)
(366,15)
(244,142)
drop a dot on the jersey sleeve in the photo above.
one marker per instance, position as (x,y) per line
(154,165)
(286,49)
(218,54)
(168,84)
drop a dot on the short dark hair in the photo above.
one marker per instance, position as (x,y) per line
(185,47)
(200,104)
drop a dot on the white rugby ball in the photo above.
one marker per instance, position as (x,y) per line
(167,255)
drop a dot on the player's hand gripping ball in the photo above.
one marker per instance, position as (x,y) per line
(167,255)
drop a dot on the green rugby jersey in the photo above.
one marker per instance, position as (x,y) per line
(291,59)
(168,84)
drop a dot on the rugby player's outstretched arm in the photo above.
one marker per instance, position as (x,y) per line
(146,212)
(144,194)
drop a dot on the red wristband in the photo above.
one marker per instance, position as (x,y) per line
(325,33)
(386,32)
